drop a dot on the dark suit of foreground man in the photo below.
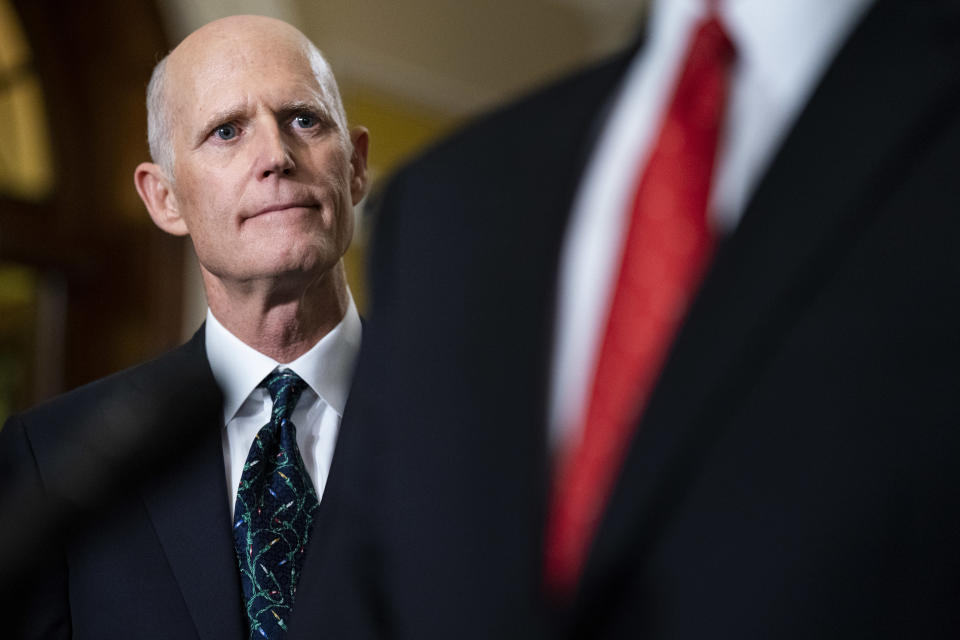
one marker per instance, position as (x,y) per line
(253,160)
(795,473)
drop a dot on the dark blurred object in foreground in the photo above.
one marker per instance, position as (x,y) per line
(69,463)
(795,472)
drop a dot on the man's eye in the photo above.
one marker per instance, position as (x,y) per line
(305,121)
(226,131)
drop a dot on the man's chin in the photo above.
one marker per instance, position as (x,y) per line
(301,272)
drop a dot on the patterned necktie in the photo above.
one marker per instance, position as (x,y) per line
(276,503)
(668,244)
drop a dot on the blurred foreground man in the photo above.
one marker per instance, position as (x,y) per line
(252,160)
(691,369)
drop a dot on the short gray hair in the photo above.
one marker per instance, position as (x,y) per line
(328,88)
(160,120)
(159,125)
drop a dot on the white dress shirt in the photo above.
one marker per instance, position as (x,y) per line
(326,368)
(782,50)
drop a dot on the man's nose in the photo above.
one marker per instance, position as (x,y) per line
(274,155)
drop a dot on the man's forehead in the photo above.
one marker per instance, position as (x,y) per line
(227,51)
(274,77)
(239,33)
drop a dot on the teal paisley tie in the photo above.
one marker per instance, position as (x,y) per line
(276,503)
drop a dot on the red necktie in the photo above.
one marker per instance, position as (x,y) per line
(667,248)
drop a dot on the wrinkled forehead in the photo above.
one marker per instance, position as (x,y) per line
(225,70)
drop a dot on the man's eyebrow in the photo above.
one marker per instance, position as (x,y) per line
(284,111)
(317,107)
(217,118)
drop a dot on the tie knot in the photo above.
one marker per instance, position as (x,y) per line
(285,388)
(711,40)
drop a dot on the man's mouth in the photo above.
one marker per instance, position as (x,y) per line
(285,206)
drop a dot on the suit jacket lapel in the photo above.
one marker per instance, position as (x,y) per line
(889,91)
(562,149)
(187,502)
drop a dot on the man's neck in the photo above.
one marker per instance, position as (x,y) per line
(281,324)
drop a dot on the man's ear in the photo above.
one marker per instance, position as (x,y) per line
(360,138)
(154,189)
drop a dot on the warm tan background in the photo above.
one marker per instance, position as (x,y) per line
(87,285)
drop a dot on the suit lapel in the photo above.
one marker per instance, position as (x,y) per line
(562,146)
(883,100)
(187,503)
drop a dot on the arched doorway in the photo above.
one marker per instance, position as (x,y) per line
(87,285)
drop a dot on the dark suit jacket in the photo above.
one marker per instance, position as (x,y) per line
(132,532)
(796,473)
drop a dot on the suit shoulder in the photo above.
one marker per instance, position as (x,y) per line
(533,123)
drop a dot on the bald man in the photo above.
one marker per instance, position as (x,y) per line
(253,160)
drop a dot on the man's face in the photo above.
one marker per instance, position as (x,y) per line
(262,174)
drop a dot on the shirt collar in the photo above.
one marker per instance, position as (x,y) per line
(784,45)
(326,368)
